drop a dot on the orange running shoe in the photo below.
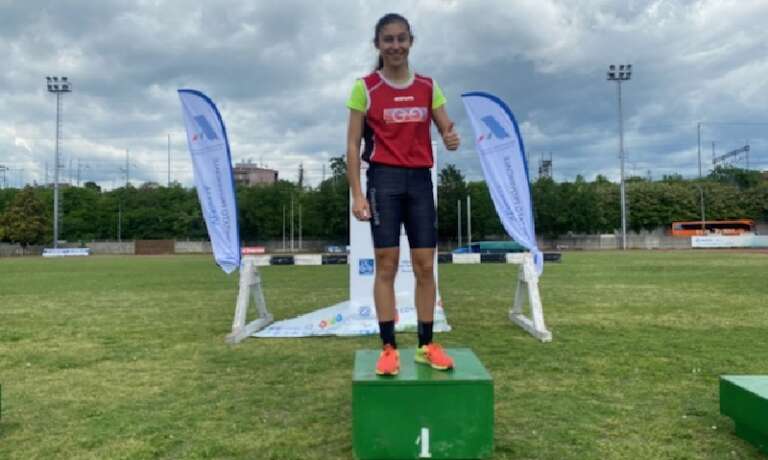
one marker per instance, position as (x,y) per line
(434,355)
(389,361)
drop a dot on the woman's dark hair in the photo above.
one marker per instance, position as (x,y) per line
(386,20)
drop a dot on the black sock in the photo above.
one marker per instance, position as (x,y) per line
(387,333)
(425,332)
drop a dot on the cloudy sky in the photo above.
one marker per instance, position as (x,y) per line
(280,73)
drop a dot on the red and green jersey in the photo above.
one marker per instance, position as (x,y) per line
(397,119)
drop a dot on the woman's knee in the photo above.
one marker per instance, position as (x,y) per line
(423,269)
(386,266)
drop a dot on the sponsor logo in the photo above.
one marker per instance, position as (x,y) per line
(405,266)
(365,266)
(405,115)
(496,130)
(364,311)
(330,322)
(250,250)
(206,130)
(404,98)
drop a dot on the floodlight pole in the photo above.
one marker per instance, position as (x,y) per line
(469,220)
(624,73)
(458,207)
(58,86)
(169,159)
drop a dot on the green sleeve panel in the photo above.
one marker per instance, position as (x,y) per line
(358,99)
(438,98)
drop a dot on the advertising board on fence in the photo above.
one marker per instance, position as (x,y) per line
(719,241)
(66,252)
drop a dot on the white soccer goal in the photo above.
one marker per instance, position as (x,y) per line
(250,289)
(528,288)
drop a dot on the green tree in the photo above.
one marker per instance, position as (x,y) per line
(25,219)
(451,188)
(339,166)
(485,222)
(742,178)
(547,207)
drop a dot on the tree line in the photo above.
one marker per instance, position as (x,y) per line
(151,211)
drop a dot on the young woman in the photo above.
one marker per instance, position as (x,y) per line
(392,109)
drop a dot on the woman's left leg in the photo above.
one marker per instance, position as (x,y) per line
(422,261)
(421,226)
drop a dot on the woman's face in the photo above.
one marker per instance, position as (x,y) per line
(394,42)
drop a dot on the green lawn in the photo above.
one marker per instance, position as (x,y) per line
(124,357)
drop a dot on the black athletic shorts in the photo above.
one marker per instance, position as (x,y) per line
(401,195)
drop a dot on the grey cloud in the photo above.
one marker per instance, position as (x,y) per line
(281,71)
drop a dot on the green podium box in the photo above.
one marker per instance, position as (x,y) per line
(422,412)
(744,398)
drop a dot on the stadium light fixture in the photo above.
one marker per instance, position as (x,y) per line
(58,86)
(624,73)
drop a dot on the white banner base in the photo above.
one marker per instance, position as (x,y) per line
(528,287)
(250,288)
(344,319)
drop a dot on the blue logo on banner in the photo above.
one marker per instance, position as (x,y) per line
(496,129)
(208,131)
(365,311)
(366,266)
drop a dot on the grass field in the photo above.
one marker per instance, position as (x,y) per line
(124,357)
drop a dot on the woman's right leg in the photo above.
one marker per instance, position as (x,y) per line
(387,260)
(385,191)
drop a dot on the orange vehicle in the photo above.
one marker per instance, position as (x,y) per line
(713,227)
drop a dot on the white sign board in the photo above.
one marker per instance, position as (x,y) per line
(66,252)
(741,241)
(362,271)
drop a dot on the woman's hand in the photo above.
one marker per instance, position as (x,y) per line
(361,209)
(451,138)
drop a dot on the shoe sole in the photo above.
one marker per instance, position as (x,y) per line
(422,360)
(387,373)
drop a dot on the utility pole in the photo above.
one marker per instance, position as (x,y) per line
(747,152)
(127,168)
(169,159)
(299,226)
(291,223)
(698,130)
(703,215)
(301,176)
(119,221)
(80,167)
(283,228)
